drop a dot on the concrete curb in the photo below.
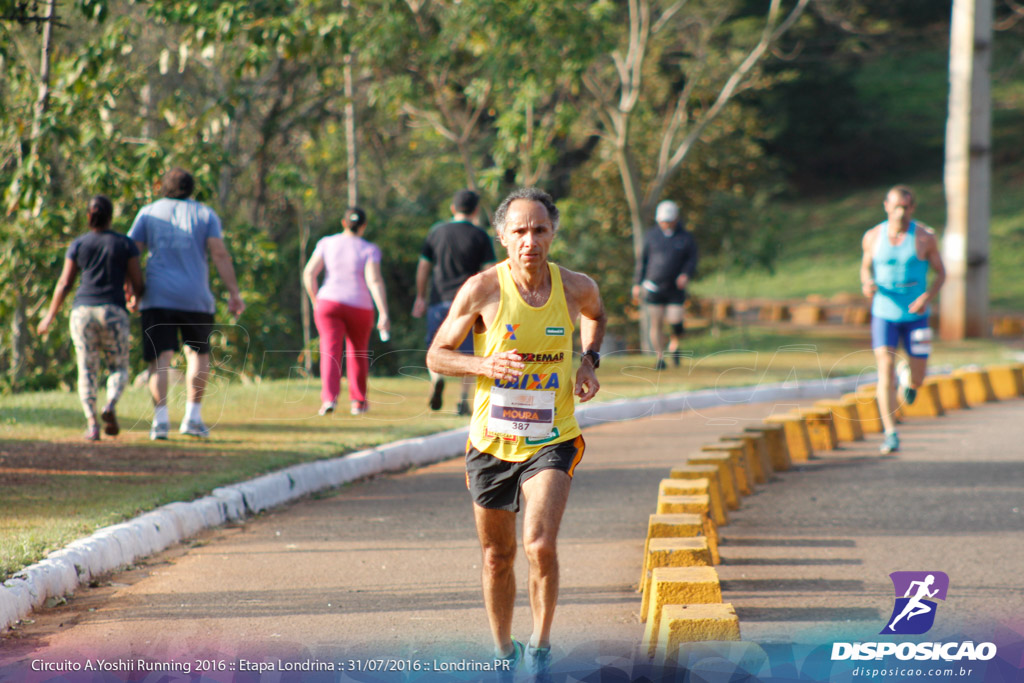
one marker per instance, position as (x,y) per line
(121,544)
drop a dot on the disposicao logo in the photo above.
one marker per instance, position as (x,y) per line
(510,331)
(916,592)
(913,614)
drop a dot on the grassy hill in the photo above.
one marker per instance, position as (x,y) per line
(820,250)
(819,235)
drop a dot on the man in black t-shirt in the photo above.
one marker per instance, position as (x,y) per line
(454,251)
(667,263)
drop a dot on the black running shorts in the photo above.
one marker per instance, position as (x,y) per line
(496,484)
(667,296)
(160,328)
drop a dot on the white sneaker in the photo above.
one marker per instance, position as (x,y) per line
(159,431)
(327,407)
(195,428)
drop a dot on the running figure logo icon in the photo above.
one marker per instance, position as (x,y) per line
(916,592)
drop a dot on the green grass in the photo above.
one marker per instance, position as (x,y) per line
(823,235)
(820,236)
(72,488)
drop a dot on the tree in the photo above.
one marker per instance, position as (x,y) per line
(675,71)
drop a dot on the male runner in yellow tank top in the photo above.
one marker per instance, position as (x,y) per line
(524,440)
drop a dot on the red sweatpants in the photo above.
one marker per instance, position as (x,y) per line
(340,324)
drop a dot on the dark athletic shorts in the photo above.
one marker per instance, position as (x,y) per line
(160,327)
(435,316)
(496,484)
(666,296)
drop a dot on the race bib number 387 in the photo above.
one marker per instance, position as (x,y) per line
(521,413)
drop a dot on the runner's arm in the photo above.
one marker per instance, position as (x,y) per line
(310,273)
(935,261)
(375,283)
(593,320)
(867,275)
(226,270)
(640,272)
(689,266)
(423,269)
(64,285)
(135,284)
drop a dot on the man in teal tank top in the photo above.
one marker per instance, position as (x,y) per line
(893,274)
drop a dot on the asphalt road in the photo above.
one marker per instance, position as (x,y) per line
(390,566)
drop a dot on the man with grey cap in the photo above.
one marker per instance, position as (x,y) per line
(666,264)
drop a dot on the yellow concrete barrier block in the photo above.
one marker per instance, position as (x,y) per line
(845,418)
(927,404)
(773,312)
(722,309)
(678,526)
(1007,326)
(809,314)
(682,624)
(797,438)
(759,464)
(1007,381)
(866,406)
(710,472)
(726,473)
(678,586)
(977,386)
(820,428)
(700,486)
(856,315)
(688,504)
(951,391)
(741,462)
(775,440)
(672,552)
(697,486)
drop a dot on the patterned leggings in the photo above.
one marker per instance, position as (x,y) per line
(100,334)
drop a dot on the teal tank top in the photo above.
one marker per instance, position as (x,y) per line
(900,276)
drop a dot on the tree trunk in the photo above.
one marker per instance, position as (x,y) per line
(350,132)
(43,101)
(19,322)
(18,326)
(307,332)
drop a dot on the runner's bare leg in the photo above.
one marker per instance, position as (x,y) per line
(545,495)
(496,530)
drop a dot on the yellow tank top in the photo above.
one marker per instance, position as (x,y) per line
(512,420)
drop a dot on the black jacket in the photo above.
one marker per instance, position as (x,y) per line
(665,258)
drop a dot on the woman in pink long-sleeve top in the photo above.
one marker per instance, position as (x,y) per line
(343,308)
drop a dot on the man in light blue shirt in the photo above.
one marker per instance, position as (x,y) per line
(179,233)
(893,274)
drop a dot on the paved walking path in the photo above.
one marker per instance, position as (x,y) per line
(389,567)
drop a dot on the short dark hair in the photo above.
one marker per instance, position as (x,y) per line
(532,194)
(100,211)
(465,201)
(903,190)
(354,217)
(178,184)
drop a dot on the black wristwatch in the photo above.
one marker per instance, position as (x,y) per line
(595,358)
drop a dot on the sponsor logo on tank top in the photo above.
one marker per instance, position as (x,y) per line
(536,381)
